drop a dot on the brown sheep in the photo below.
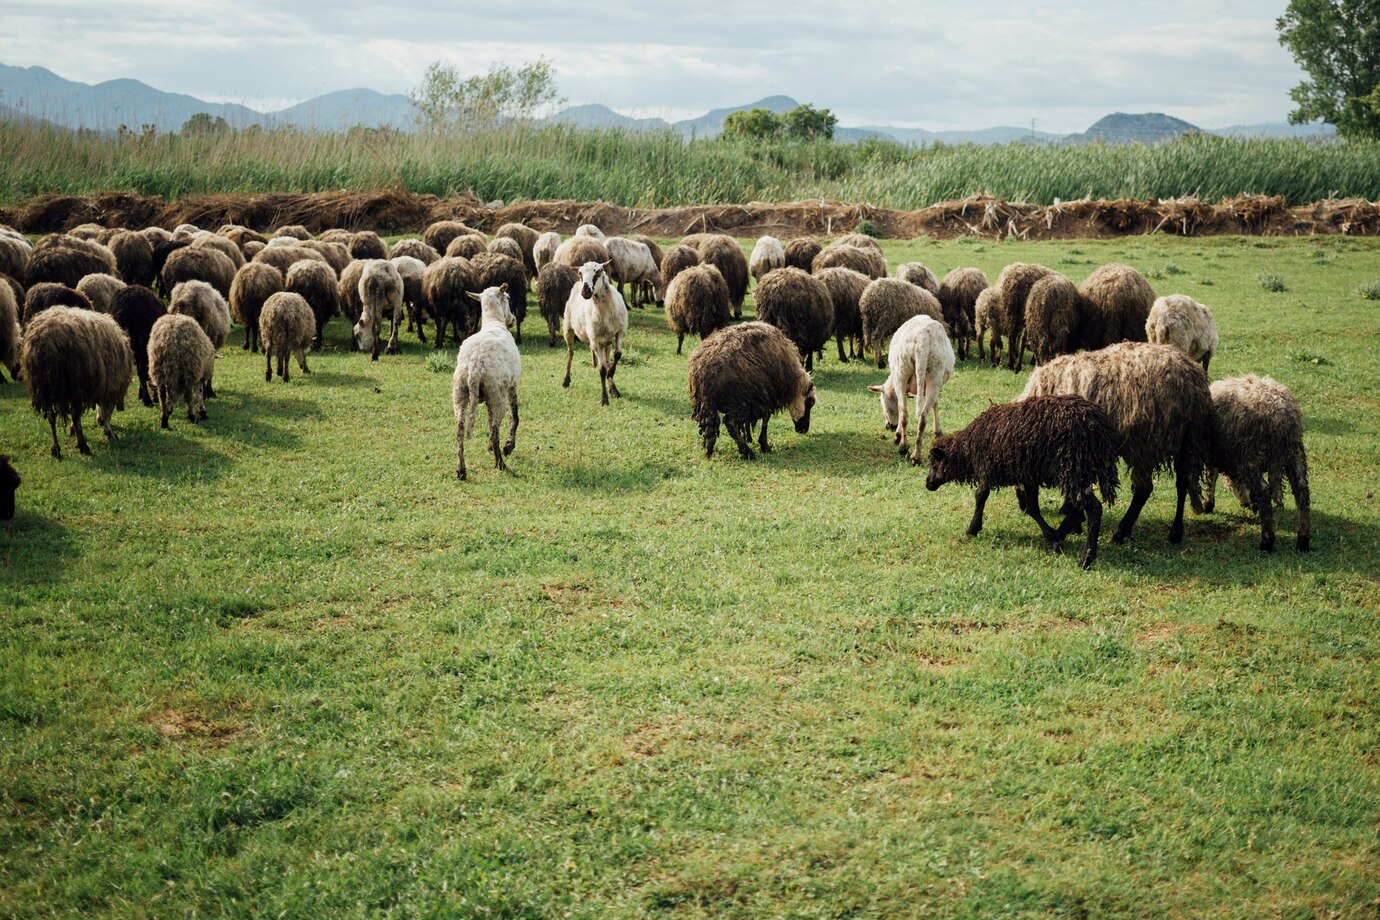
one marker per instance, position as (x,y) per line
(868,261)
(135,309)
(958,294)
(66,260)
(439,234)
(155,235)
(525,238)
(846,288)
(251,287)
(133,257)
(987,322)
(1015,282)
(798,304)
(1051,318)
(47,294)
(554,283)
(1183,322)
(221,244)
(445,287)
(9,482)
(920,276)
(181,359)
(506,246)
(886,304)
(284,257)
(192,263)
(1116,301)
(204,304)
(676,260)
(73,360)
(723,252)
(697,303)
(10,335)
(366,244)
(578,250)
(14,257)
(287,327)
(416,249)
(337,256)
(99,290)
(296,231)
(801,252)
(860,240)
(337,235)
(467,246)
(351,307)
(493,269)
(315,283)
(241,236)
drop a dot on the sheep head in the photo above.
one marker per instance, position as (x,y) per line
(493,304)
(364,336)
(891,404)
(800,409)
(594,277)
(948,463)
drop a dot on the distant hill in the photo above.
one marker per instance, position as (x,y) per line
(711,123)
(1149,128)
(602,117)
(342,110)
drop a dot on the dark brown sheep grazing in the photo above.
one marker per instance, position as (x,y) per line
(526,238)
(467,246)
(798,304)
(846,288)
(1051,318)
(250,288)
(1115,303)
(315,283)
(193,263)
(493,269)
(958,294)
(748,373)
(366,244)
(868,261)
(676,260)
(337,256)
(67,260)
(445,287)
(416,249)
(723,252)
(697,303)
(134,257)
(1063,442)
(919,275)
(135,309)
(74,360)
(1015,283)
(334,235)
(9,484)
(801,252)
(886,304)
(439,234)
(161,252)
(47,294)
(554,283)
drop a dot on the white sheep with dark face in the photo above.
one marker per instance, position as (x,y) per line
(596,314)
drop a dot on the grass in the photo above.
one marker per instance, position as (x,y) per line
(282,663)
(664,170)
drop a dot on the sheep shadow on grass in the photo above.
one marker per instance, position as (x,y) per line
(613,476)
(35,547)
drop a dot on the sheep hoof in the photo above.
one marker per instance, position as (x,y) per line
(1086,562)
(202,415)
(163,424)
(1176,535)
(508,448)
(566,382)
(917,460)
(1056,547)
(1303,545)
(1267,544)
(460,474)
(1209,505)
(56,452)
(905,449)
(1118,538)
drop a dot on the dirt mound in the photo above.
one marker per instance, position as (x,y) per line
(399,211)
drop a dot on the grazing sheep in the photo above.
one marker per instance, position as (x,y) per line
(987,321)
(14,257)
(747,372)
(156,235)
(1015,282)
(133,257)
(578,250)
(222,245)
(525,238)
(554,282)
(241,236)
(252,249)
(281,241)
(506,246)
(161,253)
(296,231)
(10,335)
(595,314)
(767,254)
(958,294)
(284,257)
(846,289)
(1262,433)
(337,256)
(181,359)
(591,231)
(333,235)
(251,287)
(487,369)
(648,290)
(801,252)
(798,304)
(1183,322)
(885,304)
(860,240)
(1063,442)
(87,231)
(412,270)
(187,232)
(467,246)
(366,244)
(921,361)
(439,234)
(1116,301)
(193,263)
(416,249)
(868,261)
(920,276)
(100,289)
(544,249)
(723,252)
(493,269)
(1051,318)
(287,327)
(697,303)
(66,260)
(47,294)
(204,304)
(676,260)
(73,360)
(135,309)
(445,288)
(1158,399)
(350,304)
(9,484)
(380,295)
(632,262)
(315,283)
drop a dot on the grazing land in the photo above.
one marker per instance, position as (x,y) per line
(282,663)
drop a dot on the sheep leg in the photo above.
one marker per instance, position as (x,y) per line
(82,446)
(1297,471)
(1209,494)
(460,472)
(1265,510)
(393,334)
(680,340)
(284,365)
(165,406)
(569,357)
(208,391)
(603,385)
(201,404)
(248,335)
(1141,487)
(709,432)
(374,352)
(613,368)
(517,332)
(144,396)
(1031,506)
(440,331)
(268,363)
(190,399)
(1092,510)
(877,353)
(839,340)
(512,428)
(1185,481)
(494,419)
(56,449)
(762,439)
(302,360)
(741,432)
(979,503)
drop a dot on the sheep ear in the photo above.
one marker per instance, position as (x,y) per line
(473,296)
(874,389)
(503,288)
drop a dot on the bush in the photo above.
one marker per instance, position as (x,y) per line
(1370,290)
(1272,282)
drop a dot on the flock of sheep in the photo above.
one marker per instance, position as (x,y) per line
(1120,374)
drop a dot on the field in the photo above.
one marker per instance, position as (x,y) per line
(282,663)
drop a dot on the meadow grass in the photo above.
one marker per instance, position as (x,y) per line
(282,663)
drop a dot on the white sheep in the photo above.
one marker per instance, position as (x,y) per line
(1181,321)
(595,313)
(920,361)
(380,295)
(632,262)
(487,368)
(767,255)
(591,231)
(544,249)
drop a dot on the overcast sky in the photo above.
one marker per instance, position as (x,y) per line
(936,65)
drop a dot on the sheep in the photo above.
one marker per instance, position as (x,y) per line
(958,294)
(492,269)
(987,321)
(133,257)
(506,246)
(14,257)
(1015,282)
(1051,318)
(99,290)
(380,294)
(676,260)
(1158,399)
(921,360)
(723,252)
(66,260)
(1183,322)
(252,249)
(297,231)
(632,262)
(242,236)
(411,269)
(767,254)
(315,283)
(595,314)
(73,360)
(554,282)
(334,235)
(181,359)
(544,249)
(747,372)
(47,294)
(1063,442)
(1116,301)
(15,287)
(920,276)
(798,304)
(87,231)
(647,288)
(445,288)
(885,304)
(187,232)
(337,256)
(351,307)
(366,244)
(279,241)
(284,257)
(845,290)
(801,252)
(251,287)
(416,249)
(204,304)
(591,231)
(135,309)
(578,250)
(193,263)
(526,238)
(697,303)
(467,246)
(155,235)
(487,368)
(439,234)
(860,240)
(868,261)
(10,334)
(9,484)
(288,326)
(161,252)
(1262,432)
(222,245)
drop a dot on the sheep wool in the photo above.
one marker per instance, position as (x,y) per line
(697,303)
(1183,322)
(921,361)
(767,254)
(199,263)
(48,294)
(487,369)
(249,290)
(380,295)
(798,304)
(135,309)
(554,283)
(544,249)
(958,294)
(526,239)
(287,327)
(676,260)
(1116,301)
(73,360)
(1015,282)
(846,288)
(181,359)
(578,250)
(445,288)
(100,289)
(723,252)
(801,252)
(10,335)
(1051,318)
(315,283)
(886,304)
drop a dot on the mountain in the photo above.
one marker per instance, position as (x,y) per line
(340,111)
(602,117)
(1120,128)
(712,122)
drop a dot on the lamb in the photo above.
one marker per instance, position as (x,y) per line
(10,335)
(526,238)
(1063,442)
(9,484)
(767,254)
(204,304)
(222,245)
(747,372)
(590,231)
(100,289)
(801,252)
(135,309)
(250,288)
(1159,401)
(632,262)
(287,327)
(554,282)
(798,304)
(886,304)
(921,361)
(697,303)
(845,290)
(1262,433)
(544,249)
(47,294)
(578,250)
(445,288)
(723,252)
(199,263)
(492,269)
(73,360)
(1183,322)
(366,244)
(958,294)
(487,368)
(868,261)
(315,283)
(1052,315)
(920,276)
(412,271)
(1015,283)
(676,260)
(181,359)
(439,234)
(467,246)
(133,257)
(1116,301)
(987,321)
(416,249)
(381,294)
(595,313)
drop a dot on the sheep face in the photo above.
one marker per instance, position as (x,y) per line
(594,277)
(493,304)
(800,410)
(891,404)
(364,337)
(939,472)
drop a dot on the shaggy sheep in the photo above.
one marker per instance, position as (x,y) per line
(647,288)
(279,241)
(297,231)
(845,290)
(591,231)
(1063,442)
(467,246)
(525,238)
(1183,322)
(723,252)
(544,249)
(315,283)
(801,252)
(204,304)
(73,360)
(578,250)
(595,314)
(135,309)
(287,327)
(798,304)
(697,303)
(958,294)
(193,263)
(861,240)
(47,294)
(748,373)
(181,359)
(439,234)
(284,257)
(1262,432)
(155,235)
(986,321)
(1116,301)
(554,282)
(133,257)
(10,335)
(187,232)
(9,483)
(493,269)
(1051,318)
(920,276)
(335,254)
(676,260)
(87,231)
(487,368)
(15,287)
(223,245)
(1158,399)
(66,260)
(416,249)
(14,257)
(1015,282)
(885,304)
(100,289)
(921,361)
(412,270)
(380,295)
(506,246)
(366,244)
(241,236)
(445,288)
(351,307)
(334,235)
(868,261)
(252,249)
(251,287)
(632,262)
(767,254)
(161,252)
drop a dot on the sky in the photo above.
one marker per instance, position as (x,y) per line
(934,65)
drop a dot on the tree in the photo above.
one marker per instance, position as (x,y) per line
(1337,43)
(446,101)
(758,124)
(807,123)
(204,123)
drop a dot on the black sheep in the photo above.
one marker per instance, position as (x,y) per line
(9,482)
(136,309)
